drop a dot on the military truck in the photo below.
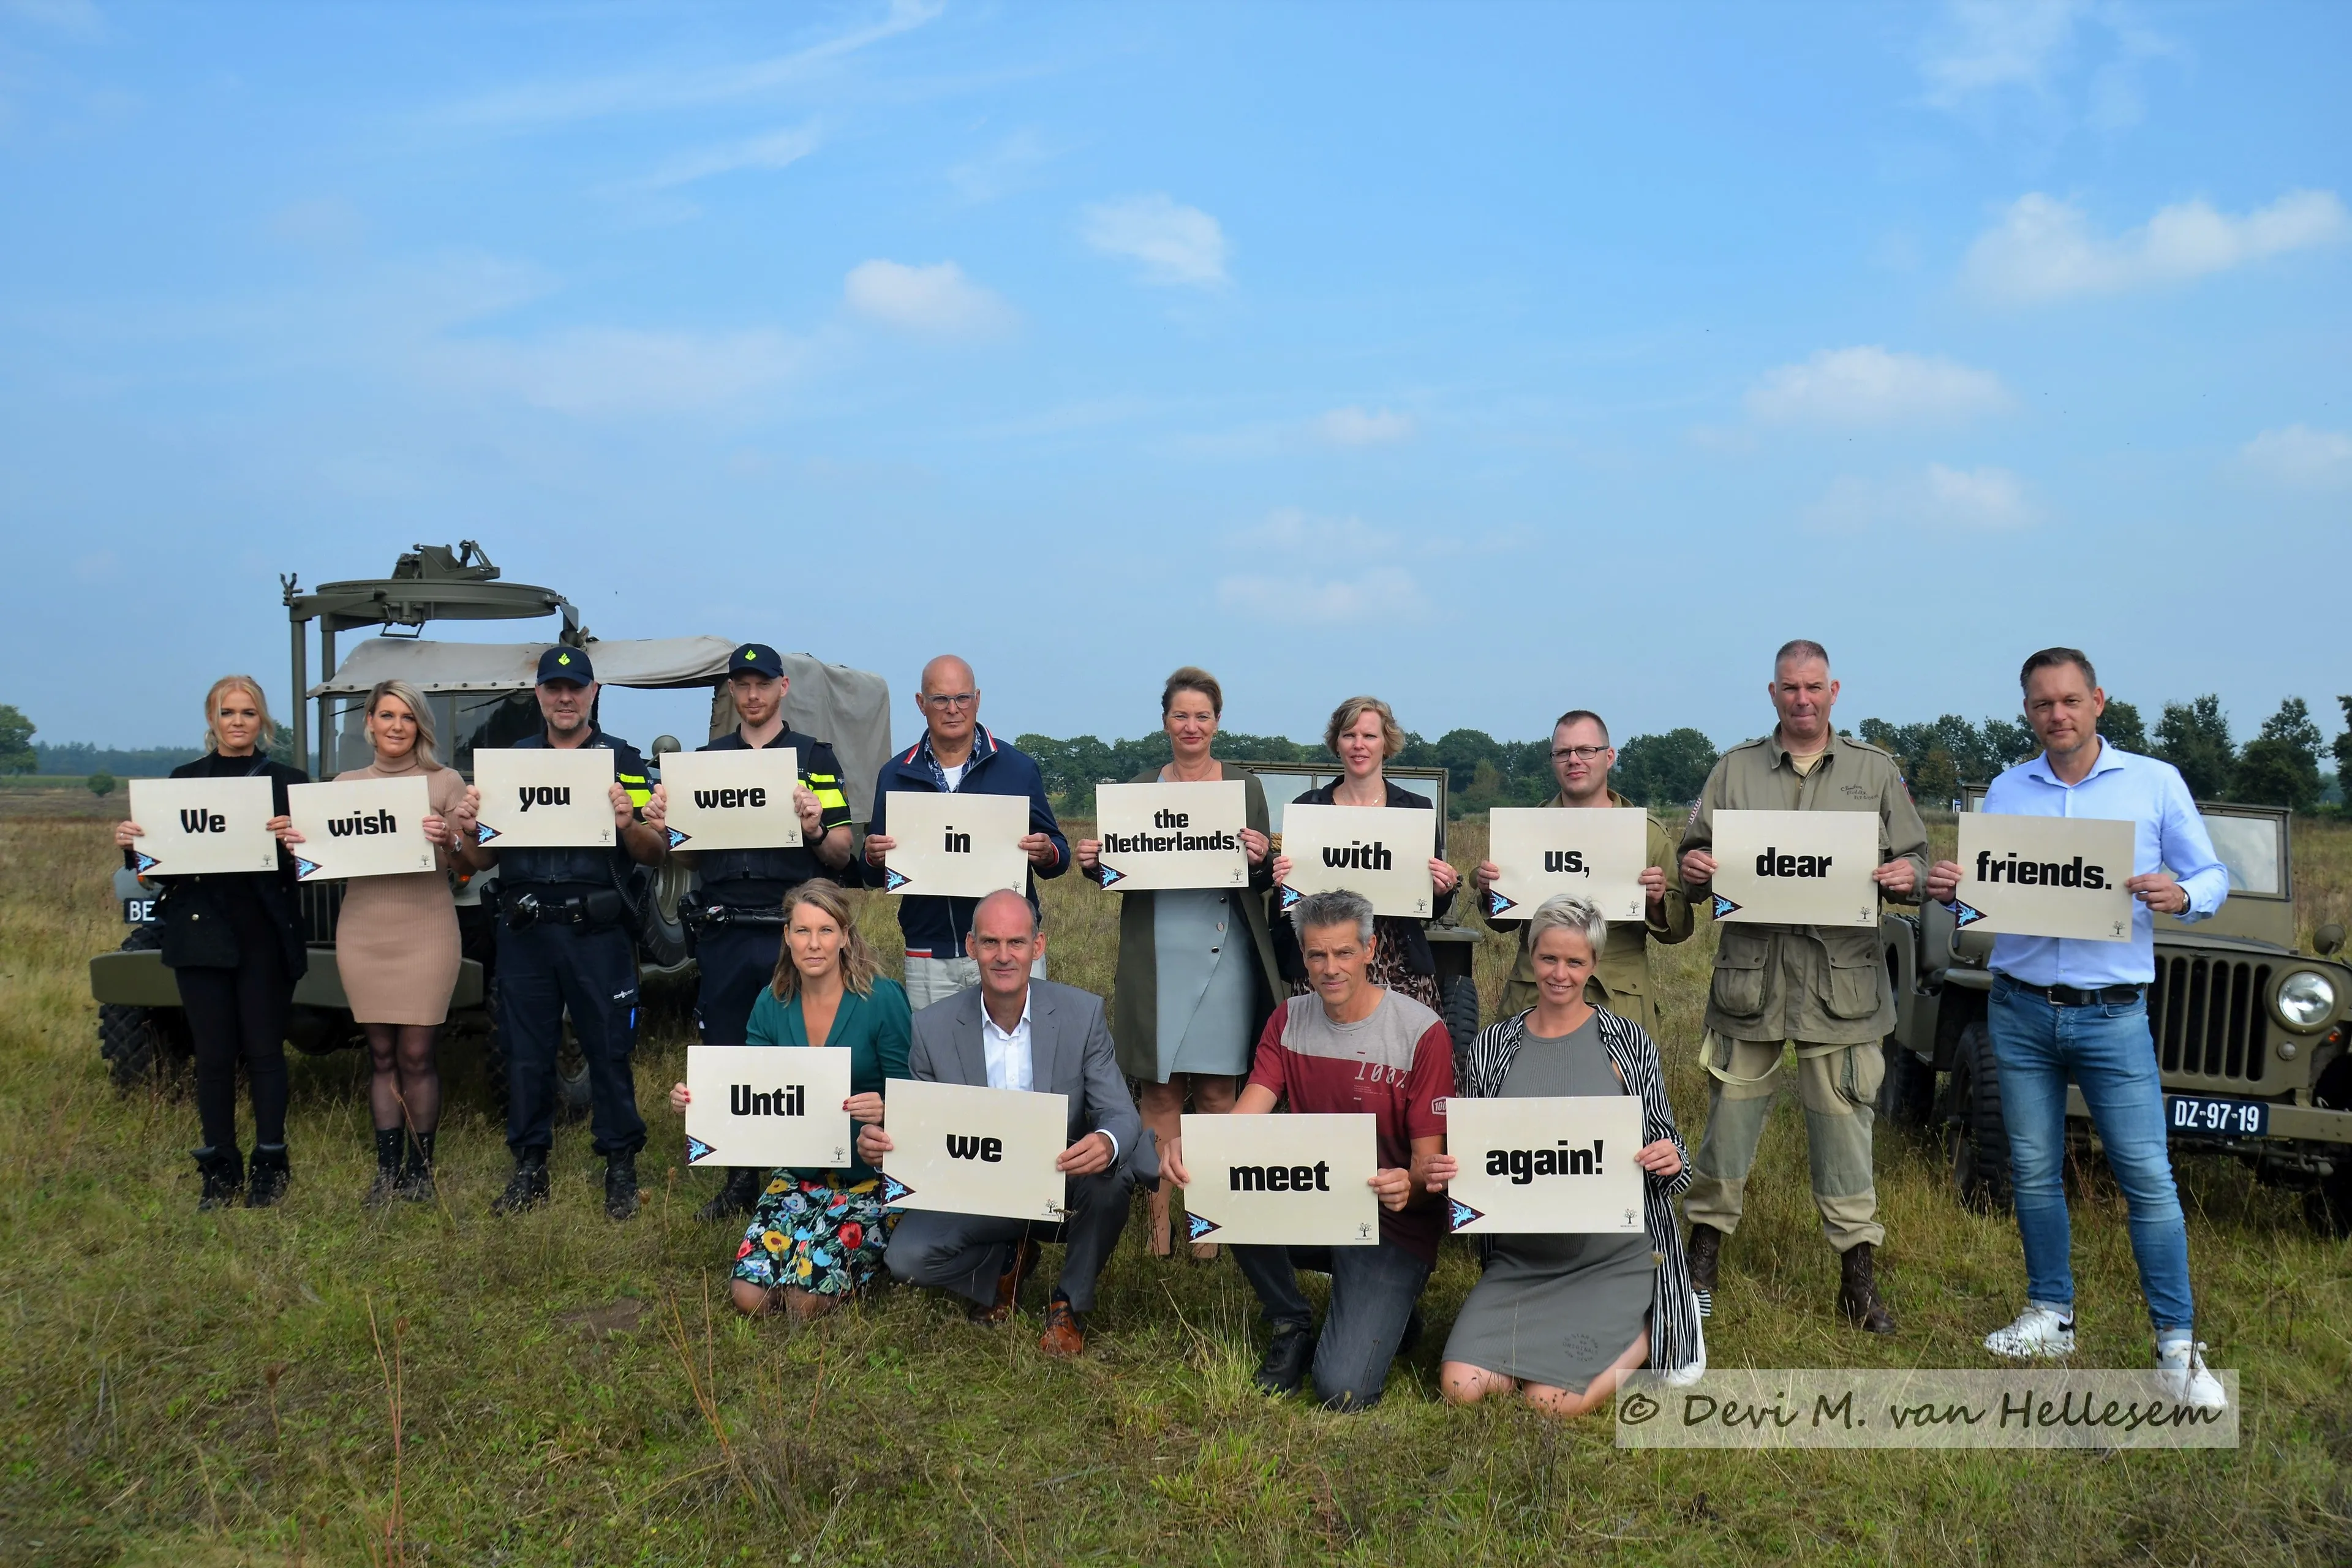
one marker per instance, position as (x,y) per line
(481,696)
(2249,1031)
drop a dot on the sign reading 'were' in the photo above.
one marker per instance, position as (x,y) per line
(1282,1180)
(536,797)
(2045,876)
(732,800)
(1544,852)
(1796,868)
(1546,1166)
(360,828)
(1379,851)
(974,1151)
(767,1106)
(201,826)
(955,846)
(1173,834)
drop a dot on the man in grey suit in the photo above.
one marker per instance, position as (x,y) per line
(1011,1031)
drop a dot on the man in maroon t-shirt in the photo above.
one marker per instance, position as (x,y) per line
(1350,1047)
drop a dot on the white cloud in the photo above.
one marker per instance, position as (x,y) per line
(938,301)
(1179,245)
(1004,168)
(2300,457)
(606,371)
(1870,386)
(2043,248)
(1938,498)
(1289,529)
(1987,44)
(1353,426)
(1382,592)
(772,149)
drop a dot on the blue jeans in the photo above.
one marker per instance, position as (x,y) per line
(1373,1292)
(2107,1051)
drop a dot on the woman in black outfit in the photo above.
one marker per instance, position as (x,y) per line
(235,944)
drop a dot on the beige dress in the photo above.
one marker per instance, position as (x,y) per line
(396,939)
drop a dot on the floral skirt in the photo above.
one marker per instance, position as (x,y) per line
(1388,971)
(817,1237)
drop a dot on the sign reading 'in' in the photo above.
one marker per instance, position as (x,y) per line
(2045,876)
(955,846)
(1796,868)
(1173,834)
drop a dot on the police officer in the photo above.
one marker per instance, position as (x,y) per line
(566,942)
(1822,989)
(737,912)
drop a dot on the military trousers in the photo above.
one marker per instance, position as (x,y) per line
(1838,1087)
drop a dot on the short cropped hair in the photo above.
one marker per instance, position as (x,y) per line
(1193,678)
(1344,718)
(1568,912)
(2049,656)
(1800,648)
(1582,716)
(252,688)
(1337,908)
(1036,915)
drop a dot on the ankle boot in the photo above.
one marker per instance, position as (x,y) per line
(1858,1292)
(266,1184)
(1705,1253)
(388,1140)
(223,1173)
(736,1196)
(621,1185)
(417,1169)
(527,1188)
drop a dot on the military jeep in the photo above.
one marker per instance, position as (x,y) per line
(481,696)
(2249,1031)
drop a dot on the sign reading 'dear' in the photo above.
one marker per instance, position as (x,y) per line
(1284,1181)
(955,846)
(360,828)
(768,1105)
(1379,851)
(1560,1166)
(2045,876)
(732,800)
(201,826)
(1796,868)
(1546,851)
(974,1151)
(539,798)
(1173,834)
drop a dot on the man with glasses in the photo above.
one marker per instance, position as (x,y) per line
(1582,760)
(957,755)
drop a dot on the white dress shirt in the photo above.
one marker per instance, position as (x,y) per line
(1011,1062)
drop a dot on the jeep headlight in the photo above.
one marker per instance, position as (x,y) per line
(2305,999)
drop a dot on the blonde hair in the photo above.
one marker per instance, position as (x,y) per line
(252,688)
(1344,716)
(858,966)
(426,742)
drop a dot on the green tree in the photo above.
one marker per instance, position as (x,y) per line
(2344,753)
(101,785)
(16,754)
(2121,727)
(1937,783)
(1664,770)
(2281,765)
(2194,736)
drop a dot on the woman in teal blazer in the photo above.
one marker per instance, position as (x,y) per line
(817,1236)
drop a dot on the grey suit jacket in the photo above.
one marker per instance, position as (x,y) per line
(1070,1053)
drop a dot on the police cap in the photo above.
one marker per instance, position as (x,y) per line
(755,659)
(566,664)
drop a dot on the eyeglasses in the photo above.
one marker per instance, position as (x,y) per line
(1582,753)
(950,699)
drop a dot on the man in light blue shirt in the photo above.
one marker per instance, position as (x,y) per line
(2064,1008)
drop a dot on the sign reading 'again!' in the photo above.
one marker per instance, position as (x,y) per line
(2045,876)
(1546,1166)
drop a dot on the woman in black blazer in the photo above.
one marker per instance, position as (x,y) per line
(234,942)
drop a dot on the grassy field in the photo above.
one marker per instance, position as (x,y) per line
(318,1384)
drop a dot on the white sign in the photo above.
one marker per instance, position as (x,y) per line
(1379,851)
(199,826)
(768,1105)
(955,846)
(974,1151)
(1596,853)
(539,798)
(1796,868)
(1561,1166)
(732,800)
(2045,876)
(1173,834)
(360,828)
(1283,1180)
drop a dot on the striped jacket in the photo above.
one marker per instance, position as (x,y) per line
(1674,1340)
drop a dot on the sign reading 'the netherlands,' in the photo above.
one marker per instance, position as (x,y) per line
(768,1105)
(541,798)
(2045,876)
(1173,834)
(732,800)
(1379,851)
(1282,1180)
(1546,851)
(360,828)
(199,826)
(974,1151)
(1561,1166)
(955,846)
(1796,868)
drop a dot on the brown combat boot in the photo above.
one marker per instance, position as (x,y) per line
(1063,1338)
(1704,1252)
(1858,1293)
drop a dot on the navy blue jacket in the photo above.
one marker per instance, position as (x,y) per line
(936,927)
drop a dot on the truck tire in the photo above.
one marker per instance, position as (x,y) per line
(573,1096)
(140,1043)
(1980,1168)
(662,943)
(1907,1095)
(1460,1012)
(2327,1207)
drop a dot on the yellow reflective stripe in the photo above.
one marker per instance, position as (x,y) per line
(829,798)
(640,798)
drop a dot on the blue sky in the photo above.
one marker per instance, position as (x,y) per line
(1493,359)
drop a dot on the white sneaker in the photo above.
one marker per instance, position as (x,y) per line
(2182,1367)
(2038,1332)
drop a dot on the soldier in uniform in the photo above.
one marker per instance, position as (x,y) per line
(1825,990)
(567,942)
(1582,760)
(738,911)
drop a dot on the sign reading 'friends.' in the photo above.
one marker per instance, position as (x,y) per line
(203,827)
(767,1106)
(732,800)
(1558,1166)
(1379,851)
(1173,834)
(1282,1180)
(955,846)
(540,797)
(2045,876)
(360,828)
(1546,851)
(964,1150)
(1796,868)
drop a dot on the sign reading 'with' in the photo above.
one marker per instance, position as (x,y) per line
(955,846)
(2045,876)
(201,826)
(1282,1180)
(1560,1166)
(537,797)
(1546,851)
(1173,834)
(974,1151)
(360,828)
(732,800)
(1379,851)
(768,1105)
(1796,868)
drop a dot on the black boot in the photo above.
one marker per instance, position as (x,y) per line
(1858,1291)
(266,1187)
(621,1185)
(387,1167)
(1286,1359)
(223,1173)
(417,1169)
(736,1196)
(1705,1251)
(527,1188)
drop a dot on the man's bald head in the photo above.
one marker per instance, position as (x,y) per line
(950,675)
(950,699)
(1004,942)
(1004,913)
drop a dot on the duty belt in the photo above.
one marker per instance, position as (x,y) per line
(594,908)
(2073,996)
(700,918)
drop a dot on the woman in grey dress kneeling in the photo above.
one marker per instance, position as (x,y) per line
(1561,1319)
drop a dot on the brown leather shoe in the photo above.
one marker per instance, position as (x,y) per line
(1063,1337)
(1858,1291)
(1008,1288)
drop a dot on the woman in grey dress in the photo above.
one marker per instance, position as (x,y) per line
(1561,1319)
(1196,966)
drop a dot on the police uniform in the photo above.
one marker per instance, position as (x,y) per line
(1621,971)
